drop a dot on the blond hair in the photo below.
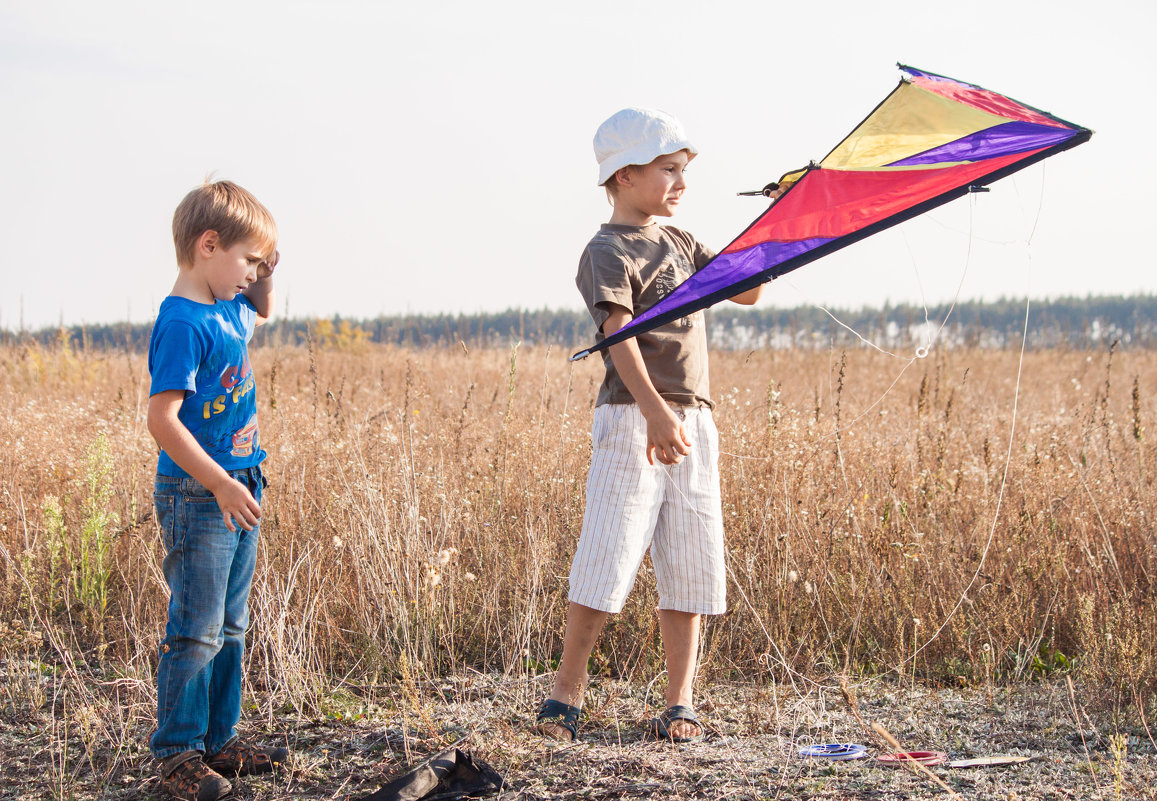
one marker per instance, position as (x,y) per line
(221,206)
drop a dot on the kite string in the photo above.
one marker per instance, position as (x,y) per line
(856,333)
(921,351)
(1008,452)
(999,498)
(963,273)
(779,657)
(1040,204)
(1011,434)
(775,654)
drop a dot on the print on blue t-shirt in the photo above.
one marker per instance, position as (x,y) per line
(204,351)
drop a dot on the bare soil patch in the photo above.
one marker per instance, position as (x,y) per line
(750,751)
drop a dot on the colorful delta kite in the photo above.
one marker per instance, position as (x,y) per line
(932,140)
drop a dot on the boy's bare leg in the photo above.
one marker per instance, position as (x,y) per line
(681,643)
(583,625)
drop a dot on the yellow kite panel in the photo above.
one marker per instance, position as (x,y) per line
(910,121)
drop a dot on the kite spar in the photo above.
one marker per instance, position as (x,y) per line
(932,140)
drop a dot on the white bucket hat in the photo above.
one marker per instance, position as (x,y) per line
(637,136)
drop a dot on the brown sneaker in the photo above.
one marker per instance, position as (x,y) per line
(186,776)
(239,758)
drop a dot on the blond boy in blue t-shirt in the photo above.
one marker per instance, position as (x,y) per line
(203,415)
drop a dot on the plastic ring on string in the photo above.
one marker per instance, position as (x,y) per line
(834,751)
(922,352)
(922,757)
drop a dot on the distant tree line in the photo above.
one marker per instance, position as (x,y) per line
(1090,322)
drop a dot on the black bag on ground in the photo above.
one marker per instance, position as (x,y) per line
(449,776)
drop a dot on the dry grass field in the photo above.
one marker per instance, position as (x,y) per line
(926,526)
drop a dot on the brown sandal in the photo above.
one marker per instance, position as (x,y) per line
(239,758)
(187,777)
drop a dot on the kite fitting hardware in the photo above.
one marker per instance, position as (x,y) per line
(974,188)
(765,192)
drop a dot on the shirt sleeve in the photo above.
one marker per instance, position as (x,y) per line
(174,356)
(605,280)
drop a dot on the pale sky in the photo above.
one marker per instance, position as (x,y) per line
(436,156)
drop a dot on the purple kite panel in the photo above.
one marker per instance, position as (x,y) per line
(728,269)
(999,140)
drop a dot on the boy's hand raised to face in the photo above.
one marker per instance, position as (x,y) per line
(266,268)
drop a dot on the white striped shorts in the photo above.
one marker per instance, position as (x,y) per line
(633,506)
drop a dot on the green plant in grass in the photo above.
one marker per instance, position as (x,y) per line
(92,569)
(1049,660)
(56,534)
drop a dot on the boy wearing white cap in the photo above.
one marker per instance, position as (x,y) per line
(654,405)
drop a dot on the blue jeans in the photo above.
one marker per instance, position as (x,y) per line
(209,570)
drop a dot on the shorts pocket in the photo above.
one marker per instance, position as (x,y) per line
(606,419)
(712,431)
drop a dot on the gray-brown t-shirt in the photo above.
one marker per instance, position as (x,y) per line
(635,267)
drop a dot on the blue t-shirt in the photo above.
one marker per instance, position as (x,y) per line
(203,350)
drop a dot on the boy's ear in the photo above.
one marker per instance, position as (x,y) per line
(207,243)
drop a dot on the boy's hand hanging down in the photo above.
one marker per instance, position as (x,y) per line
(666,438)
(237,504)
